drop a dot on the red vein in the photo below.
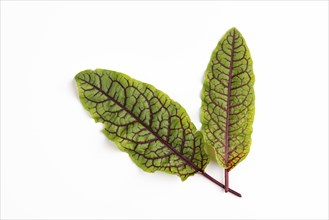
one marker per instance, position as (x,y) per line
(228,112)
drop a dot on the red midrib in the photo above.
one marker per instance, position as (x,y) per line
(228,102)
(181,156)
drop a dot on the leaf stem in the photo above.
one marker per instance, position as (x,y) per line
(220,184)
(226,180)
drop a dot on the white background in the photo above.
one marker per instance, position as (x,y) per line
(56,163)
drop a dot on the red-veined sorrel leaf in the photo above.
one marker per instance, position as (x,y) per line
(153,129)
(228,101)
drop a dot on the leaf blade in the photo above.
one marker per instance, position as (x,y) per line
(227,110)
(154,130)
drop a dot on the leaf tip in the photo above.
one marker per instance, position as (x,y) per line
(81,74)
(234,29)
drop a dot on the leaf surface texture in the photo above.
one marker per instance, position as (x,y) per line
(228,100)
(153,129)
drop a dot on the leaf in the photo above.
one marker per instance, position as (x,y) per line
(228,100)
(153,129)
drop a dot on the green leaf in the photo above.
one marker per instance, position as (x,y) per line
(153,129)
(228,100)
